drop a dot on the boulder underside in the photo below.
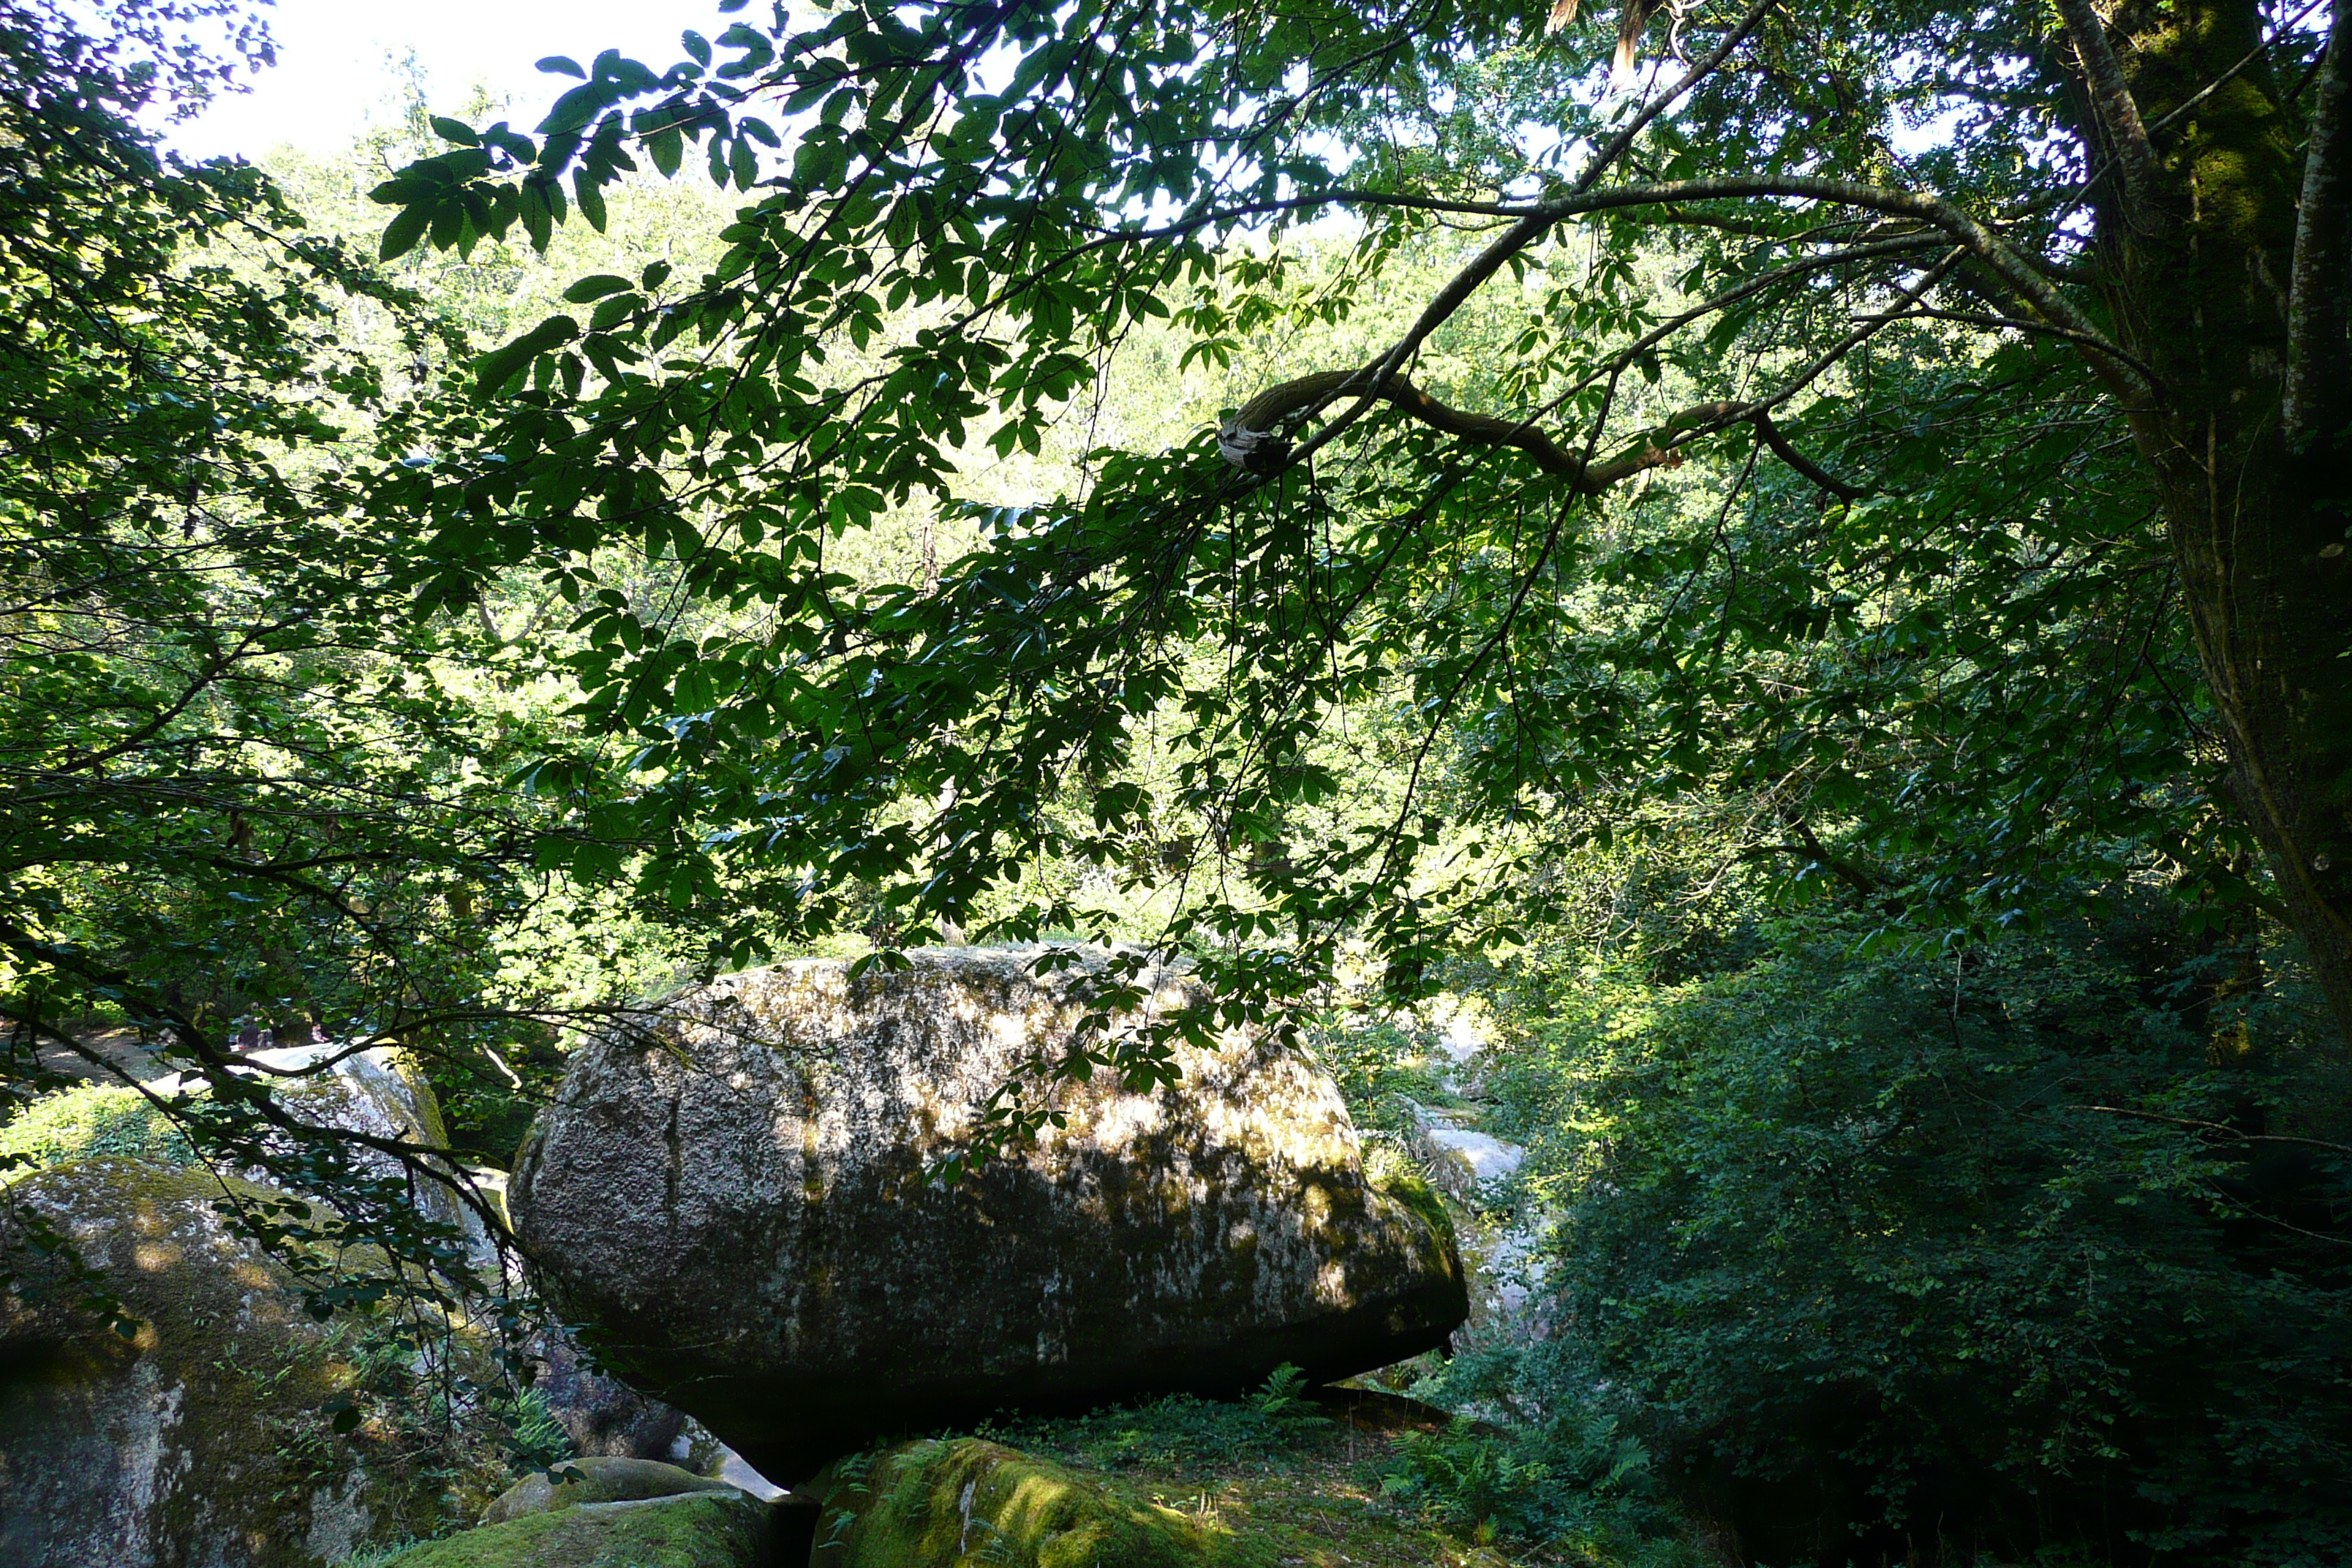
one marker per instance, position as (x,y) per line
(737,1198)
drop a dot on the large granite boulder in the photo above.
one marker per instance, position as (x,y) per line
(198,1439)
(734,1195)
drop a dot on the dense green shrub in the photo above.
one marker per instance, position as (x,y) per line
(2039,1248)
(1577,1479)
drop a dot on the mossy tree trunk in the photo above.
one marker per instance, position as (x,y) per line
(2225,245)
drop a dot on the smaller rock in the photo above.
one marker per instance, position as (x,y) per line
(701,1529)
(602,1415)
(1467,1164)
(199,1439)
(600,1480)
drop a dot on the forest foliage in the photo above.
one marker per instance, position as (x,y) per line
(1022,473)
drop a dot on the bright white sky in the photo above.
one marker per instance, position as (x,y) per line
(336,62)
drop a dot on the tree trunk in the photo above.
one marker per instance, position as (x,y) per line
(2228,256)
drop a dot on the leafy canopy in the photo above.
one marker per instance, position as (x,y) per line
(1905,595)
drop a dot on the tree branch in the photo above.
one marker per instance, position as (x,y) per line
(2119,111)
(1525,232)
(2319,296)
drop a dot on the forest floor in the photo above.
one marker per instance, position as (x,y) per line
(1322,1494)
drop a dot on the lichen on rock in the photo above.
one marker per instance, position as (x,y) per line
(736,1195)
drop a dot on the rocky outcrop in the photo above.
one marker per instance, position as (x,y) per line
(380,1092)
(736,1197)
(197,1440)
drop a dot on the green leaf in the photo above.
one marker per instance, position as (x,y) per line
(757,52)
(696,46)
(591,197)
(456,130)
(501,365)
(577,108)
(594,288)
(667,149)
(560,65)
(400,234)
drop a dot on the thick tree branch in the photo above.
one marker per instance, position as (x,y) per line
(2119,111)
(2319,298)
(1527,231)
(1251,441)
(1770,435)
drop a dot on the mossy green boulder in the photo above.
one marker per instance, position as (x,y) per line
(949,1504)
(197,1439)
(597,1478)
(701,1529)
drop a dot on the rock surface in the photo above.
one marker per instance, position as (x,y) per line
(735,1197)
(599,1480)
(380,1092)
(198,1441)
(701,1529)
(974,1504)
(601,1415)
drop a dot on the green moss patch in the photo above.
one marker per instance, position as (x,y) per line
(972,1503)
(705,1529)
(1394,1175)
(937,1503)
(91,1120)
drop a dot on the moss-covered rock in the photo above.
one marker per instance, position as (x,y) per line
(198,1439)
(703,1529)
(597,1478)
(945,1504)
(736,1194)
(379,1092)
(1394,1175)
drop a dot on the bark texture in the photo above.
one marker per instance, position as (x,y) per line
(2226,269)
